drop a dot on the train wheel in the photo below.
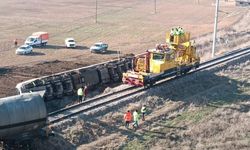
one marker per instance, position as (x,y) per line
(178,73)
(196,65)
(149,84)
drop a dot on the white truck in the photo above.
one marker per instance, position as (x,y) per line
(37,39)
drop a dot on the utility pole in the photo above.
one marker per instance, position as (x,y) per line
(215,27)
(155,6)
(96,1)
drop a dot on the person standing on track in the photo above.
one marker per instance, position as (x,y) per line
(127,118)
(80,94)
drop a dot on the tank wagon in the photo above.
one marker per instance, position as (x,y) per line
(67,83)
(20,115)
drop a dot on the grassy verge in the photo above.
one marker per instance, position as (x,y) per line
(162,128)
(191,116)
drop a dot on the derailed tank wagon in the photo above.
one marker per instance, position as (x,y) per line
(67,83)
(22,116)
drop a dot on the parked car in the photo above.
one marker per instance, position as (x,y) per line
(70,43)
(37,39)
(99,48)
(24,49)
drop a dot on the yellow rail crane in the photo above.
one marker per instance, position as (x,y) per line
(174,58)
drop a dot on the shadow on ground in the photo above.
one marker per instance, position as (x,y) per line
(36,54)
(206,87)
(4,71)
(53,143)
(57,47)
(82,47)
(108,52)
(243,108)
(111,52)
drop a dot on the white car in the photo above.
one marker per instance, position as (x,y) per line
(99,48)
(24,49)
(70,43)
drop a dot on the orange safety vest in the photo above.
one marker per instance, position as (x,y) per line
(128,116)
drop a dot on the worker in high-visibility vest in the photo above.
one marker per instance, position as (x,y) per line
(181,31)
(80,94)
(136,119)
(172,32)
(127,118)
(177,31)
(143,111)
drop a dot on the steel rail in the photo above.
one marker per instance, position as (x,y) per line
(73,110)
(95,99)
(226,55)
(84,108)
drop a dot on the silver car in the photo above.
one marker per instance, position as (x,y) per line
(24,49)
(99,48)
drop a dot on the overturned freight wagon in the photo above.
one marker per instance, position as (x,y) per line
(66,83)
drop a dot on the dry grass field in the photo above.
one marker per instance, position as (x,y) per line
(126,25)
(215,100)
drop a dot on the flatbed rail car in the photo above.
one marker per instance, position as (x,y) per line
(175,57)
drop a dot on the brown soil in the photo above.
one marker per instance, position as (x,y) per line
(10,76)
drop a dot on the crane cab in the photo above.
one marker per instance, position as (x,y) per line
(161,61)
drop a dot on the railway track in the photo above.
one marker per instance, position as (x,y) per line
(103,100)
